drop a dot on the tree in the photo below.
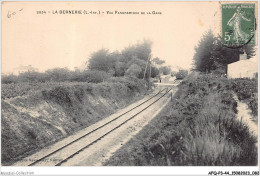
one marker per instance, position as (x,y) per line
(120,68)
(210,54)
(202,58)
(8,79)
(141,51)
(165,70)
(102,60)
(136,61)
(134,70)
(181,74)
(158,61)
(131,61)
(154,72)
(58,74)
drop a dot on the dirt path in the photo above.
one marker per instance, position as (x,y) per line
(244,114)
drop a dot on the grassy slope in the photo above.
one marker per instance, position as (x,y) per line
(45,116)
(198,128)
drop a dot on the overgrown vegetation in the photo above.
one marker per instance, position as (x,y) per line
(132,61)
(58,110)
(181,74)
(247,90)
(102,65)
(39,109)
(57,75)
(198,128)
(211,56)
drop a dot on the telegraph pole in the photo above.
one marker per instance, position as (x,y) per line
(150,72)
(146,65)
(148,62)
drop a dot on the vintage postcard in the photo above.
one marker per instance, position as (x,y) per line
(133,83)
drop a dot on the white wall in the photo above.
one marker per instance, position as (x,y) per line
(242,69)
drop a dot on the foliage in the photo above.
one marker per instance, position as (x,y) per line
(101,65)
(247,90)
(181,74)
(102,60)
(154,72)
(8,79)
(158,61)
(141,51)
(57,74)
(120,68)
(136,61)
(128,62)
(166,70)
(134,70)
(210,54)
(24,88)
(199,128)
(95,76)
(61,109)
(30,76)
(134,84)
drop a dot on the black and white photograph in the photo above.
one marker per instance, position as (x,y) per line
(96,84)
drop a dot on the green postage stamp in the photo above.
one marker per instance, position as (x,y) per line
(238,24)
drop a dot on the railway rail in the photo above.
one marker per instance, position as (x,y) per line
(147,103)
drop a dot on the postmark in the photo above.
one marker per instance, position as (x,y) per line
(238,24)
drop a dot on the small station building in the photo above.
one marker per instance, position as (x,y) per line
(244,68)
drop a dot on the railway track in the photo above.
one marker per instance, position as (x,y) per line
(69,150)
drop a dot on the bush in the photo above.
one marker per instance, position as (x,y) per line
(8,79)
(96,76)
(134,71)
(58,74)
(33,77)
(247,90)
(60,95)
(52,111)
(166,70)
(181,74)
(132,83)
(199,128)
(24,88)
(91,76)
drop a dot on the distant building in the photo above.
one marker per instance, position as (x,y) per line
(22,69)
(165,78)
(244,68)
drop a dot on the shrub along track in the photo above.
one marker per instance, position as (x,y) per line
(38,119)
(74,147)
(199,128)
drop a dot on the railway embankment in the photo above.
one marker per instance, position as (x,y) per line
(95,143)
(40,118)
(199,128)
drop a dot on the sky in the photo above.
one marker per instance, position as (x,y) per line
(53,40)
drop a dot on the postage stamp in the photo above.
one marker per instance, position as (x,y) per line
(238,24)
